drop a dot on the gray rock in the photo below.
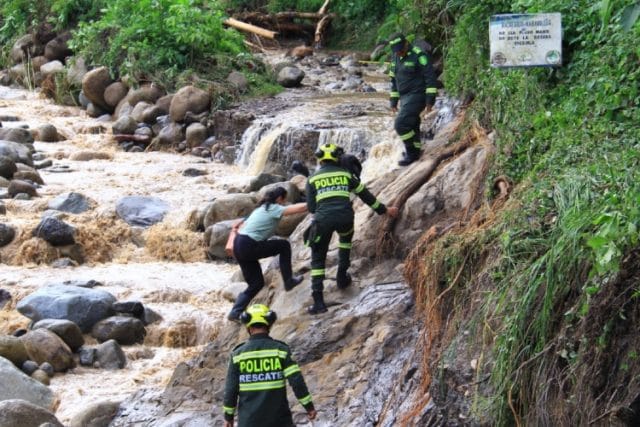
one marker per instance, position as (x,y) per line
(21,413)
(151,114)
(133,308)
(20,135)
(57,48)
(148,93)
(14,384)
(41,376)
(70,202)
(141,211)
(5,297)
(47,133)
(47,368)
(125,125)
(12,349)
(52,67)
(17,186)
(24,44)
(139,109)
(114,93)
(68,331)
(290,77)
(29,366)
(18,152)
(7,167)
(76,71)
(229,206)
(94,83)
(196,134)
(125,330)
(95,415)
(264,179)
(44,164)
(43,345)
(7,233)
(84,307)
(87,355)
(55,232)
(109,355)
(170,135)
(29,175)
(188,99)
(238,80)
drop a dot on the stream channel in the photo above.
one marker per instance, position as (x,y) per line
(188,295)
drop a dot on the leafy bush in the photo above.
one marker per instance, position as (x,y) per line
(158,39)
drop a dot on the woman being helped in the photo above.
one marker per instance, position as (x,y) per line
(252,243)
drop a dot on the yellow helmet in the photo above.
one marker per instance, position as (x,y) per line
(258,314)
(329,152)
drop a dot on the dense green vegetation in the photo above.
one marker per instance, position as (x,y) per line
(569,139)
(169,42)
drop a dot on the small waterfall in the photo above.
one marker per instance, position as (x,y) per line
(260,154)
(251,139)
(354,141)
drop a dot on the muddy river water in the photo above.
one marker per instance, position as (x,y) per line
(188,294)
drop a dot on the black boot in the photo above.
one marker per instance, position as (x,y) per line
(292,282)
(318,304)
(409,157)
(343,281)
(241,303)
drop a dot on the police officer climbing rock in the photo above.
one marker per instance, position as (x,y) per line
(413,84)
(328,198)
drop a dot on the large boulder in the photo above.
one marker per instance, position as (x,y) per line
(70,202)
(55,232)
(42,346)
(94,84)
(216,237)
(125,330)
(141,211)
(21,413)
(114,93)
(84,307)
(188,99)
(229,206)
(68,331)
(15,384)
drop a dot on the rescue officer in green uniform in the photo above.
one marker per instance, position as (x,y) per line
(256,377)
(413,83)
(328,198)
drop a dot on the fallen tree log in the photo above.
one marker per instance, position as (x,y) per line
(262,32)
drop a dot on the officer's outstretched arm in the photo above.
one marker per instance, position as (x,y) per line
(368,198)
(294,376)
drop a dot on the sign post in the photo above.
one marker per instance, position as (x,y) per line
(526,40)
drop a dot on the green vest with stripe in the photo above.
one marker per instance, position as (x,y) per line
(328,191)
(256,387)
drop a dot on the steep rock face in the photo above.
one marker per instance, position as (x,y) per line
(362,360)
(352,359)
